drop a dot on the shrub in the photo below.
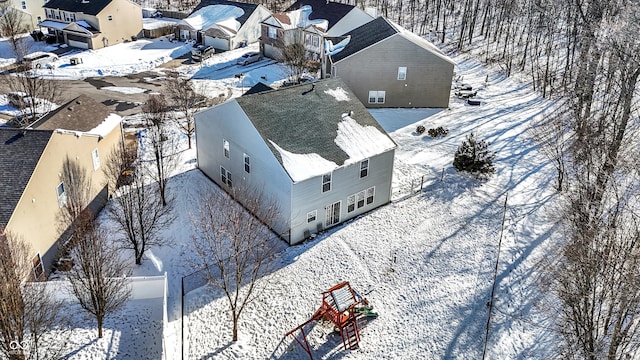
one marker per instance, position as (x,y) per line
(474,156)
(420,129)
(439,131)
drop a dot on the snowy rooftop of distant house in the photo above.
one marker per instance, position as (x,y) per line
(300,19)
(212,15)
(247,8)
(330,11)
(314,128)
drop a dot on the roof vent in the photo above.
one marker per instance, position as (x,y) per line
(70,108)
(78,102)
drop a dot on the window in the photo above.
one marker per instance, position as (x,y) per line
(62,195)
(272,32)
(225,176)
(247,164)
(225,148)
(24,5)
(326,182)
(351,203)
(96,159)
(38,268)
(402,73)
(109,17)
(316,41)
(312,215)
(370,194)
(376,97)
(307,39)
(39,18)
(360,199)
(364,168)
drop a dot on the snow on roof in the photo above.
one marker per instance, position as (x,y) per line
(333,49)
(360,142)
(300,19)
(210,15)
(338,93)
(84,24)
(106,126)
(304,166)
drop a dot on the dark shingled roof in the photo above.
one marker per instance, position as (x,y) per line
(304,119)
(20,151)
(321,9)
(258,88)
(90,7)
(80,114)
(247,8)
(365,36)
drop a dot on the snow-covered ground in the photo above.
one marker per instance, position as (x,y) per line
(425,262)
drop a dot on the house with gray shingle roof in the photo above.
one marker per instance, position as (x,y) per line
(401,69)
(32,189)
(314,148)
(92,24)
(223,24)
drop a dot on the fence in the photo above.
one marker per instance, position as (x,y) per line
(416,185)
(142,288)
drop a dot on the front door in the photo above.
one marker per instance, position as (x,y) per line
(333,214)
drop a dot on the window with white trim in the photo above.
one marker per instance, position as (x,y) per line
(364,168)
(360,202)
(96,159)
(371,192)
(326,182)
(109,17)
(376,97)
(272,32)
(225,176)
(312,216)
(316,41)
(247,164)
(24,5)
(225,148)
(62,195)
(38,268)
(402,73)
(351,203)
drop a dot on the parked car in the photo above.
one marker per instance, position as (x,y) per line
(202,53)
(39,59)
(249,58)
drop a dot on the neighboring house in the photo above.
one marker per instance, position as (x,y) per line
(314,148)
(400,68)
(31,166)
(92,24)
(225,25)
(32,12)
(308,22)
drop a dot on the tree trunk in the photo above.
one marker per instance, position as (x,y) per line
(100,319)
(235,326)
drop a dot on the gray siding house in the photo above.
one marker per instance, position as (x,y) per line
(402,69)
(314,148)
(223,24)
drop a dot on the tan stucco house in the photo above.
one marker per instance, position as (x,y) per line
(32,12)
(92,24)
(386,65)
(31,165)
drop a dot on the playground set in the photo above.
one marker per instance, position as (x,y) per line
(348,312)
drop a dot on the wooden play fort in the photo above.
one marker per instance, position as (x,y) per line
(346,309)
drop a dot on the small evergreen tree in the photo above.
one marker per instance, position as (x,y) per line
(474,156)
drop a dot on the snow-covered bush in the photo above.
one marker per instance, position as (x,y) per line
(420,129)
(439,131)
(474,156)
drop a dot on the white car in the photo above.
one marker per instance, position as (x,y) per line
(40,59)
(249,58)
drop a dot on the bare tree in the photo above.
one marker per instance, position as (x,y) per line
(98,276)
(234,245)
(12,25)
(139,216)
(38,95)
(78,188)
(119,166)
(165,159)
(29,313)
(295,56)
(184,97)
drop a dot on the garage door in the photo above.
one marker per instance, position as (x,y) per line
(218,43)
(78,44)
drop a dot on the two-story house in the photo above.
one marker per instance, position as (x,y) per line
(314,148)
(92,24)
(31,172)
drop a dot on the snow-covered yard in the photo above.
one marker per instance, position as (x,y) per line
(425,262)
